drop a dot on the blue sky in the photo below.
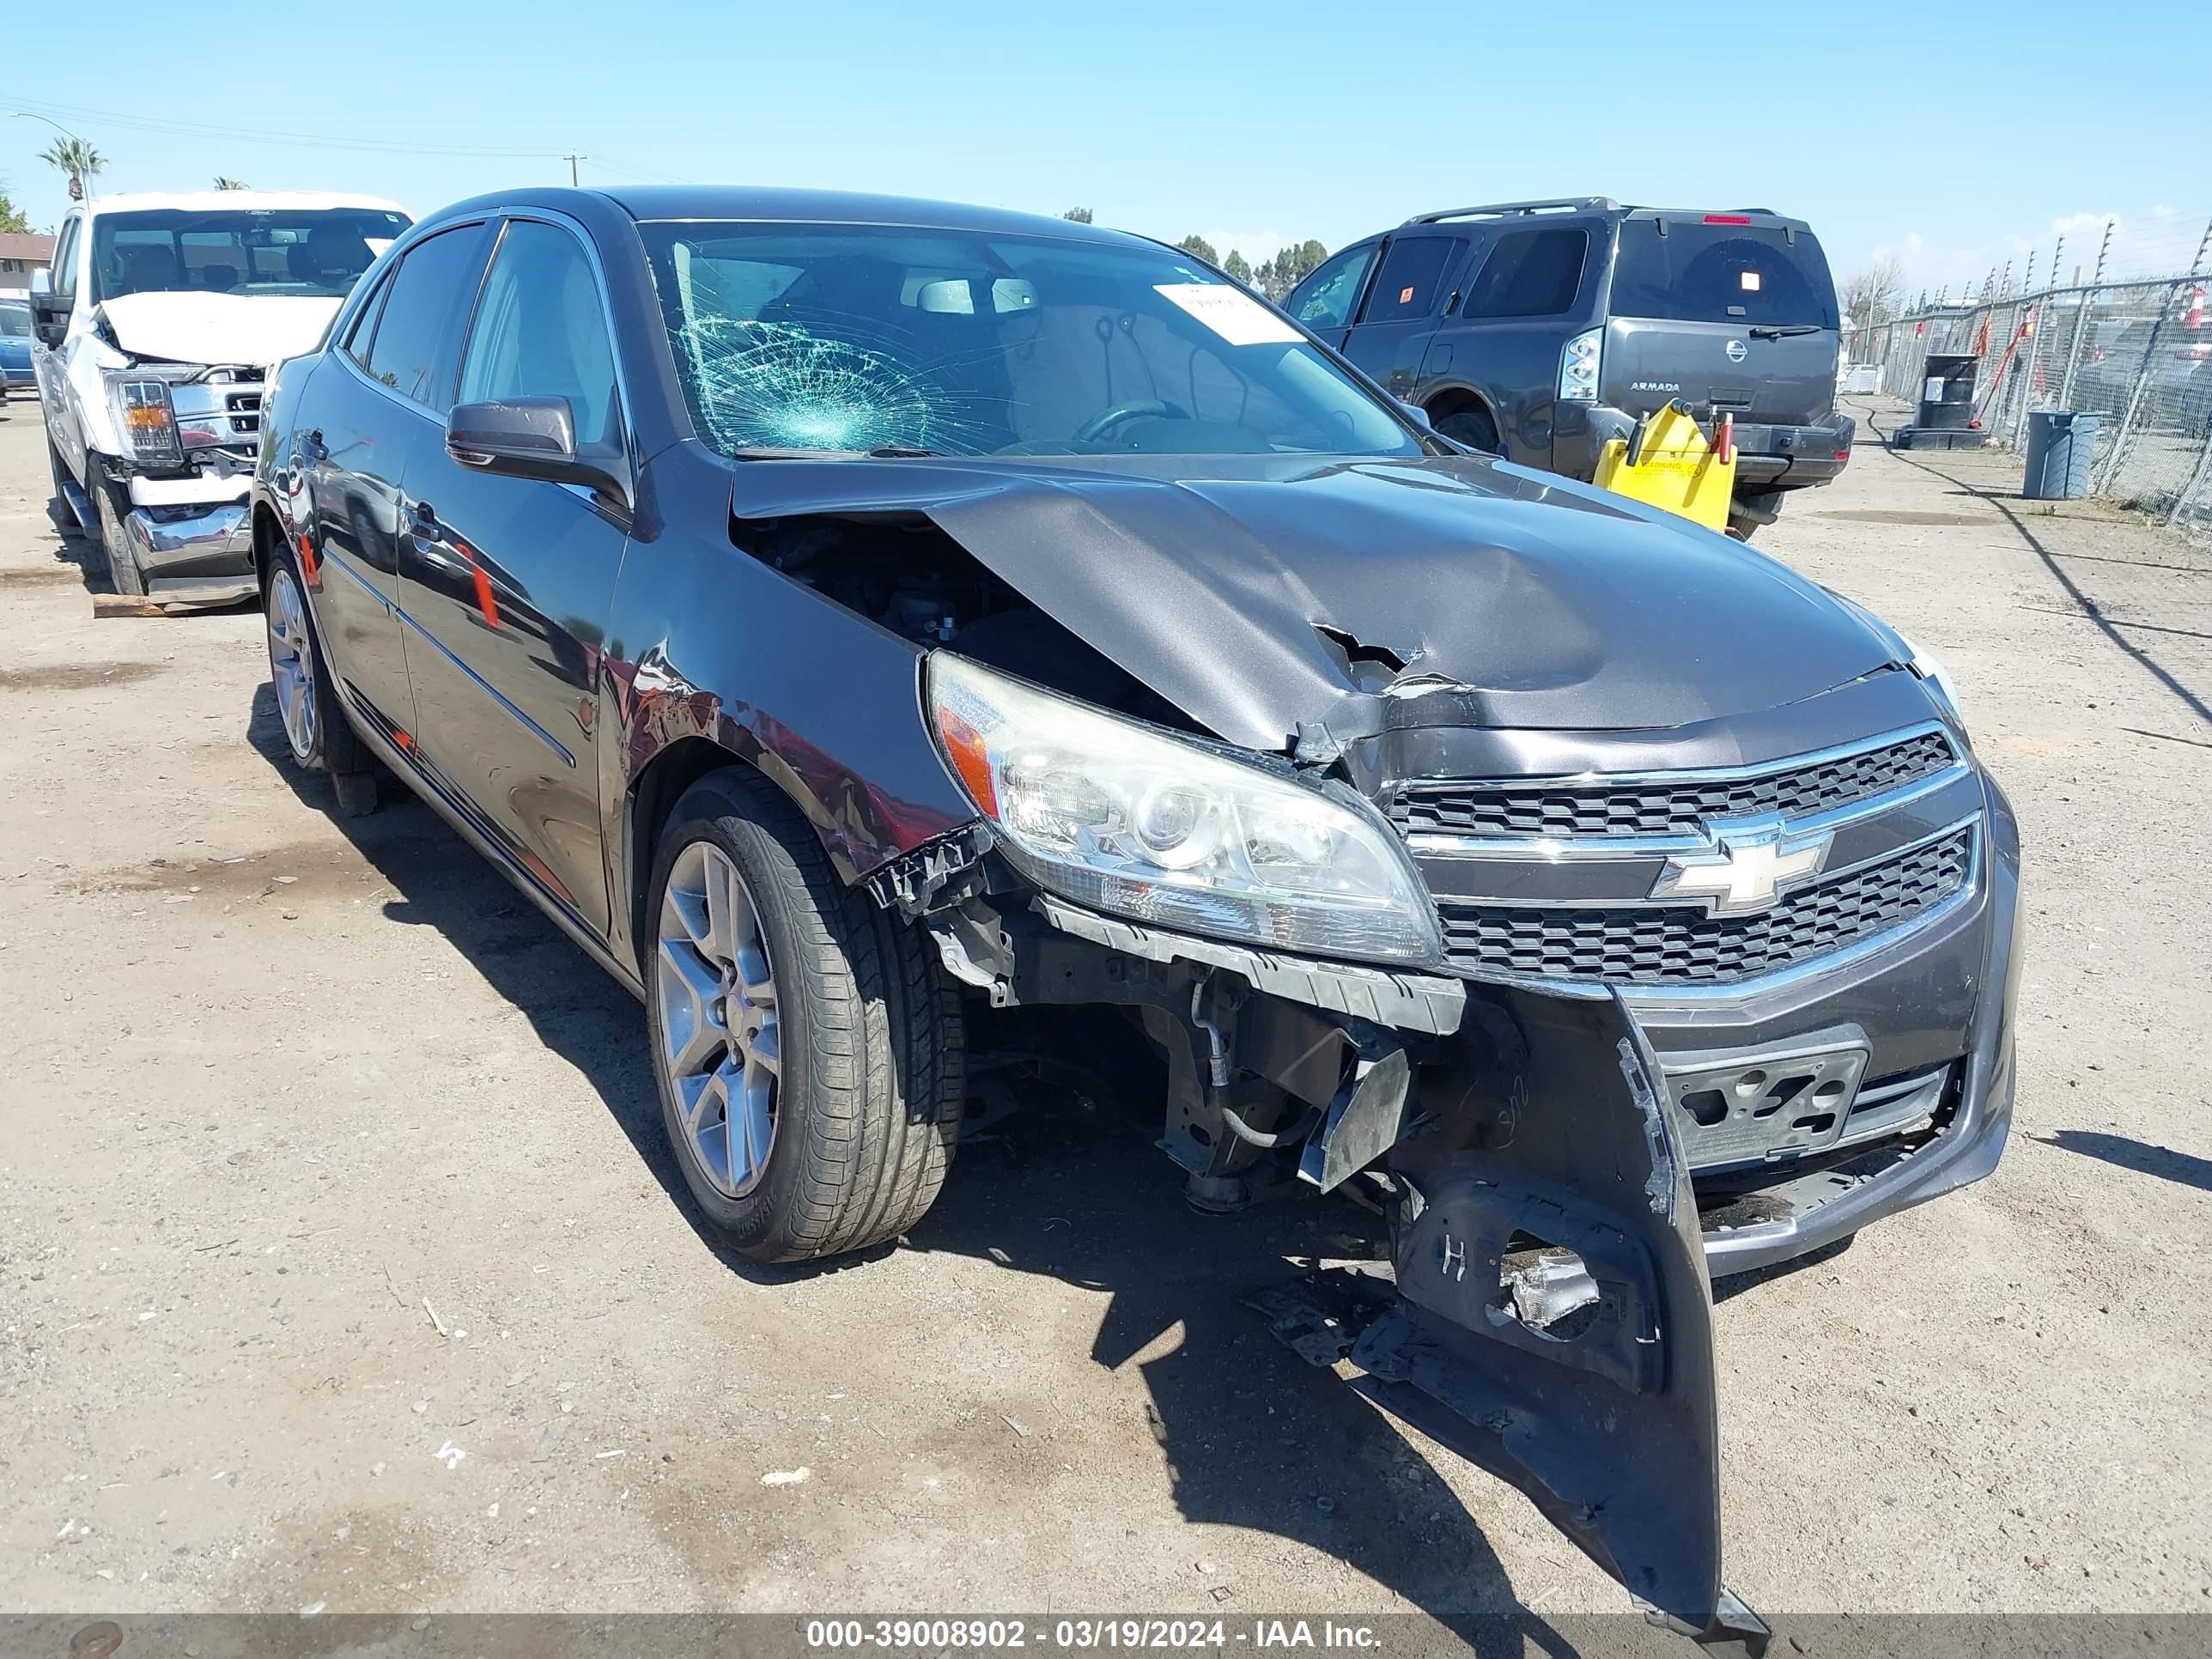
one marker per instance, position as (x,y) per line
(1906,129)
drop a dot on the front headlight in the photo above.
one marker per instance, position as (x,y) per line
(148,419)
(1127,818)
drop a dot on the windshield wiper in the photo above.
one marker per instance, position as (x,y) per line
(897,452)
(1781,330)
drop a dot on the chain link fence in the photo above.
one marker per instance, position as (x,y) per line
(2138,353)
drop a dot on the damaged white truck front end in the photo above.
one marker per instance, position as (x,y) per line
(154,340)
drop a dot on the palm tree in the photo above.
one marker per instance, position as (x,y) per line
(77,159)
(222,183)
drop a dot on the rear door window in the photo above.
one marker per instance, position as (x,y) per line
(364,324)
(1530,273)
(431,288)
(1722,273)
(1412,275)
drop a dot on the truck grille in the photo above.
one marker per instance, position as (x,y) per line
(1663,806)
(1674,945)
(243,408)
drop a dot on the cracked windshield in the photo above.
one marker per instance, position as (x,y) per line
(839,340)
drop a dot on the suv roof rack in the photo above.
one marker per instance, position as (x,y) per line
(1508,210)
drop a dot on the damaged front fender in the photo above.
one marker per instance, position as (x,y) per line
(1554,1321)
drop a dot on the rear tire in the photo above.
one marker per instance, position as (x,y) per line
(808,1045)
(1474,428)
(109,507)
(314,725)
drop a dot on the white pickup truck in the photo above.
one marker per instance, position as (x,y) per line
(152,340)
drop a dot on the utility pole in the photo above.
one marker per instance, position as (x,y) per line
(571,159)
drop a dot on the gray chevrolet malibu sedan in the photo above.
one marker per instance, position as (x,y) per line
(891,637)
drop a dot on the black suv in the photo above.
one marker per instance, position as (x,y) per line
(893,638)
(1537,330)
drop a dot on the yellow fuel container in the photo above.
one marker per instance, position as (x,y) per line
(1668,463)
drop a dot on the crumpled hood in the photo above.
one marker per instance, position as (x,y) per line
(1510,598)
(260,328)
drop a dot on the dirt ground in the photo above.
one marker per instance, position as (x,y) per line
(342,1261)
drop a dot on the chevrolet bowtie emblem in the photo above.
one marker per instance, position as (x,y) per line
(1752,862)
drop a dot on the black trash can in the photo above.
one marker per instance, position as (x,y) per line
(1946,391)
(2060,444)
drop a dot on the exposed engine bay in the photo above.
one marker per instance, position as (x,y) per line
(901,572)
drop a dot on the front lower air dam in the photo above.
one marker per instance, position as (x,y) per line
(1554,1318)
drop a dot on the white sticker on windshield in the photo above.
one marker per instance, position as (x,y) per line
(1750,279)
(1232,312)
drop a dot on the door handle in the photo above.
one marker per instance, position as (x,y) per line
(310,446)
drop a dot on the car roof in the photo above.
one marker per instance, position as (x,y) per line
(770,204)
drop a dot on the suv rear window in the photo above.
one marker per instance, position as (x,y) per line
(1707,273)
(1529,273)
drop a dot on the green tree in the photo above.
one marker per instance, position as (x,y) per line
(1235,266)
(222,183)
(11,216)
(1291,265)
(1197,244)
(1081,215)
(77,159)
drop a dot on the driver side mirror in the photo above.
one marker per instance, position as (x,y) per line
(49,311)
(1416,414)
(529,438)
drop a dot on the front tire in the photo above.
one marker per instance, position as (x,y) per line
(808,1046)
(315,729)
(109,509)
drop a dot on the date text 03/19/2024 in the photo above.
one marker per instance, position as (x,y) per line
(988,1635)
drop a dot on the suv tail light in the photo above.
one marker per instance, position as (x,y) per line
(1578,367)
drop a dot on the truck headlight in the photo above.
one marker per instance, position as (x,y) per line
(1578,367)
(147,420)
(1129,818)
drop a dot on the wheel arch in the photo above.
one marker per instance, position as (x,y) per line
(268,536)
(1457,397)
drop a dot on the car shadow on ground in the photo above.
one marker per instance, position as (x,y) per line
(2184,1169)
(1253,1436)
(73,549)
(2082,604)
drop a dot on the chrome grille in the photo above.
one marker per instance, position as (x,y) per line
(1676,945)
(1663,806)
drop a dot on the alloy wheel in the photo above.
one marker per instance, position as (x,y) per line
(291,664)
(720,1037)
